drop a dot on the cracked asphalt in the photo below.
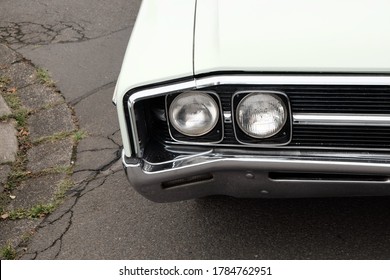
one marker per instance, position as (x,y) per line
(82,43)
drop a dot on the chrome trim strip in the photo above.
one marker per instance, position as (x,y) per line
(179,159)
(159,91)
(207,161)
(296,148)
(293,80)
(341,119)
(227,116)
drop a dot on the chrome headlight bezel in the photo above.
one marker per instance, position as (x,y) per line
(271,97)
(212,136)
(281,137)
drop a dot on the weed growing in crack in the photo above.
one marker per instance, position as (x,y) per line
(4,200)
(13,101)
(63,187)
(19,113)
(79,135)
(76,135)
(37,211)
(52,138)
(21,118)
(67,169)
(4,81)
(41,210)
(44,77)
(16,176)
(8,252)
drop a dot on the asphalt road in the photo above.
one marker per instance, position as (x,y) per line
(81,43)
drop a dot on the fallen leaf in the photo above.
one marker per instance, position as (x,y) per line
(12,196)
(23,132)
(5,216)
(12,90)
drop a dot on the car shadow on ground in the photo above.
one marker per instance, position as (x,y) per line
(331,228)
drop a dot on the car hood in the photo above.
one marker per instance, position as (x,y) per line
(292,36)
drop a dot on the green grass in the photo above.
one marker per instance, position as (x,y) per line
(76,136)
(21,117)
(37,211)
(4,200)
(20,114)
(13,101)
(4,81)
(8,252)
(44,77)
(63,187)
(41,210)
(79,135)
(17,175)
(67,169)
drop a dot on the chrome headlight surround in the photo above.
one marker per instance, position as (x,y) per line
(281,136)
(210,136)
(263,122)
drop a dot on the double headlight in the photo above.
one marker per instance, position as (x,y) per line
(259,115)
(194,113)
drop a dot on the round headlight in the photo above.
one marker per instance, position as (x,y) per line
(261,115)
(193,113)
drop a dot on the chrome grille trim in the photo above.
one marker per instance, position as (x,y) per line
(341,119)
(380,80)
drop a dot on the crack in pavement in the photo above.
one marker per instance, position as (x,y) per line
(95,150)
(108,85)
(58,239)
(78,194)
(104,167)
(113,140)
(30,33)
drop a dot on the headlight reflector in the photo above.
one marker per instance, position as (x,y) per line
(261,114)
(193,113)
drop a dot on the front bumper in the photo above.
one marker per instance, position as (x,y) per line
(340,128)
(232,173)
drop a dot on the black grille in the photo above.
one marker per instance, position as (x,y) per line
(341,136)
(366,102)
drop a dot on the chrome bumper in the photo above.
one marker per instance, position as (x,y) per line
(235,174)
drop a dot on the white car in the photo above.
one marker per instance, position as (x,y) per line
(257,98)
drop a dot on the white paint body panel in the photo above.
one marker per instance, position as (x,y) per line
(160,49)
(293,36)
